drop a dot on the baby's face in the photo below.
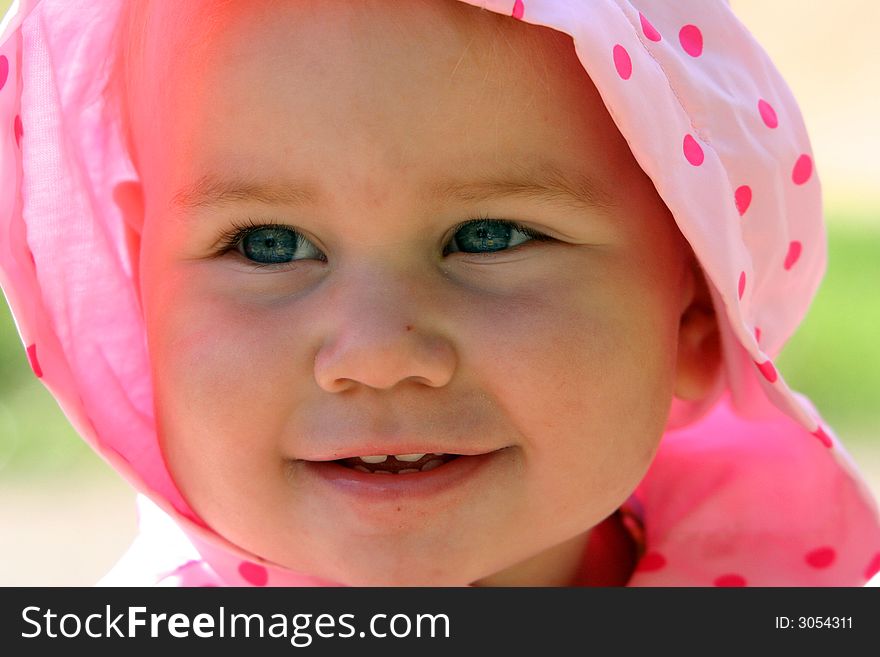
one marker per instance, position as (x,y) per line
(396,320)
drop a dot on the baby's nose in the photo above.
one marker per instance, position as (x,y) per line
(380,334)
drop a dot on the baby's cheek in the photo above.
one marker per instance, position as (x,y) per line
(219,370)
(593,388)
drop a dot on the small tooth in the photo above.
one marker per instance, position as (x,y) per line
(409,458)
(361,468)
(381,471)
(433,463)
(374,459)
(407,470)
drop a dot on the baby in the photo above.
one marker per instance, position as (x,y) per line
(414,311)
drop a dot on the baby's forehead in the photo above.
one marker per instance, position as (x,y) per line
(169,39)
(403,52)
(305,95)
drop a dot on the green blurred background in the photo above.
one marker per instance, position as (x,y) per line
(55,492)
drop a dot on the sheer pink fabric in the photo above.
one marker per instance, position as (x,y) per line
(752,489)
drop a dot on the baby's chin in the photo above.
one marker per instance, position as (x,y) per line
(414,572)
(404,557)
(404,570)
(414,579)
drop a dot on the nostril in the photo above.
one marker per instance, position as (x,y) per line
(382,357)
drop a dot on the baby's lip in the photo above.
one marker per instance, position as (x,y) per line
(377,499)
(377,448)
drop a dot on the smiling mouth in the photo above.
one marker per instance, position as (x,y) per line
(398,464)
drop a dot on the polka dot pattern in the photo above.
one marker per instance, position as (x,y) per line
(18,130)
(768,371)
(794,252)
(823,437)
(649,30)
(821,557)
(730,580)
(622,62)
(691,39)
(652,561)
(693,152)
(34,362)
(518,9)
(757,334)
(802,170)
(253,573)
(4,71)
(741,286)
(743,198)
(768,114)
(873,566)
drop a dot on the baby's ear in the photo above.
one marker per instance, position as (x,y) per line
(129,197)
(699,341)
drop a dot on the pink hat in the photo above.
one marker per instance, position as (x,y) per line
(752,488)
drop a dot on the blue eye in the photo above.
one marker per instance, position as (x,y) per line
(270,244)
(276,244)
(489,235)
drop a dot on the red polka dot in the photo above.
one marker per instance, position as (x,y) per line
(768,114)
(768,370)
(873,566)
(4,70)
(651,561)
(518,9)
(691,40)
(802,171)
(18,130)
(731,579)
(823,437)
(741,287)
(649,30)
(693,151)
(821,557)
(253,573)
(794,252)
(743,198)
(32,359)
(757,334)
(622,62)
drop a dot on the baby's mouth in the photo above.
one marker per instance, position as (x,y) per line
(397,463)
(425,479)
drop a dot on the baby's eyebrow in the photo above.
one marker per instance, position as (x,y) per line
(214,191)
(547,183)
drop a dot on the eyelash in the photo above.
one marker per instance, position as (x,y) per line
(230,239)
(525,230)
